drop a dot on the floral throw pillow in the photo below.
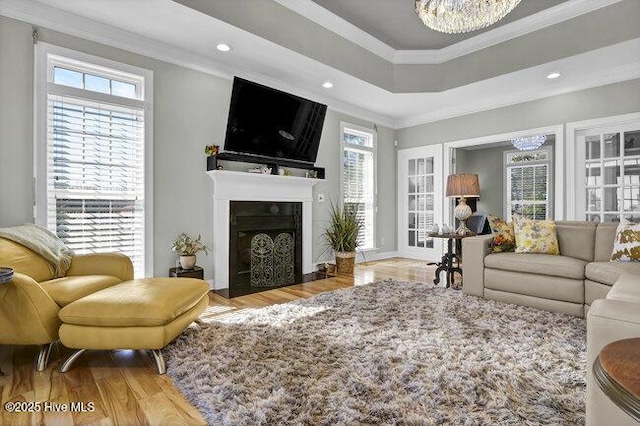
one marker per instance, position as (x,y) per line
(536,236)
(626,247)
(503,236)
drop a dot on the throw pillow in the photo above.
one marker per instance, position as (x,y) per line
(536,236)
(503,236)
(626,247)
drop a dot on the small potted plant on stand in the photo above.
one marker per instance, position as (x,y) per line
(342,236)
(187,248)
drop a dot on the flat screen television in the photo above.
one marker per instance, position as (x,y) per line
(270,123)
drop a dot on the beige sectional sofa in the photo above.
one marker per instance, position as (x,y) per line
(581,281)
(568,283)
(615,318)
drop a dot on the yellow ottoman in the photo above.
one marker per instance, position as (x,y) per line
(139,314)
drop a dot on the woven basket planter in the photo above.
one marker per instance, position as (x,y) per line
(345,260)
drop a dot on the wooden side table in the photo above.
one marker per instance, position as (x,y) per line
(446,263)
(617,372)
(196,272)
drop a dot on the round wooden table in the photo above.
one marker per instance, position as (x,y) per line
(617,371)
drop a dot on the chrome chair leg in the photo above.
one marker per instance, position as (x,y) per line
(160,364)
(43,357)
(66,366)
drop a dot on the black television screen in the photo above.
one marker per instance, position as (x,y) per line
(267,122)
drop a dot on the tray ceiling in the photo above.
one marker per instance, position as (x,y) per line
(395,23)
(280,47)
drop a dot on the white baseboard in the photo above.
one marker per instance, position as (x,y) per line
(211,285)
(414,257)
(367,256)
(371,257)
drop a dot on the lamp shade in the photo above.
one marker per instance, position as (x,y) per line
(463,185)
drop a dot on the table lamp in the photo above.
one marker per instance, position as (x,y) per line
(464,185)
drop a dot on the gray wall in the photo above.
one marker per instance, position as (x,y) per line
(603,101)
(190,111)
(16,122)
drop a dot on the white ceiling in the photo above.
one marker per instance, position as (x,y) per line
(168,31)
(395,23)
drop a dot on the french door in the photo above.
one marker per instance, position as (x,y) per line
(608,173)
(420,201)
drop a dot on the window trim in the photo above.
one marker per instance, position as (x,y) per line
(374,150)
(74,64)
(550,181)
(45,55)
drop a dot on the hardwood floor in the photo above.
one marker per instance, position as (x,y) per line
(123,386)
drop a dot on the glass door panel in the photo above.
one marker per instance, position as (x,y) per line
(421,201)
(610,164)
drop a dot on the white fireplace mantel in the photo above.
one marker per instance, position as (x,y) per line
(242,186)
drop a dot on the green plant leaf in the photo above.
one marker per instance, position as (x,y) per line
(342,232)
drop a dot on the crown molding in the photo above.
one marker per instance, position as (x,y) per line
(78,26)
(543,19)
(614,75)
(537,21)
(67,23)
(321,16)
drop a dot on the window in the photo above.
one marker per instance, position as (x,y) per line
(91,153)
(358,179)
(528,183)
(612,173)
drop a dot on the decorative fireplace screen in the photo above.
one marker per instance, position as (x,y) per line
(272,260)
(265,246)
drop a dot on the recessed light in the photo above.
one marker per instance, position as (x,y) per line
(223,47)
(327,85)
(553,75)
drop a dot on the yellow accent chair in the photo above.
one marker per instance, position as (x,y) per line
(30,303)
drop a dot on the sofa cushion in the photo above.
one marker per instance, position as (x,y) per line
(626,246)
(535,236)
(577,239)
(538,264)
(144,303)
(69,289)
(626,288)
(544,287)
(25,261)
(608,272)
(503,238)
(594,291)
(605,234)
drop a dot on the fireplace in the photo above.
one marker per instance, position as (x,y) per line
(293,197)
(265,245)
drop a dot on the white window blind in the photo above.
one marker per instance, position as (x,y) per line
(95,160)
(528,184)
(358,180)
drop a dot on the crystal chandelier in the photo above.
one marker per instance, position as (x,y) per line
(462,16)
(529,143)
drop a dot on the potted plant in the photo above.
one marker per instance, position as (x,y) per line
(187,248)
(342,236)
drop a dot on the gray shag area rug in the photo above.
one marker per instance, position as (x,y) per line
(385,353)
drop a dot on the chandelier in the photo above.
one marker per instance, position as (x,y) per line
(462,16)
(529,143)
